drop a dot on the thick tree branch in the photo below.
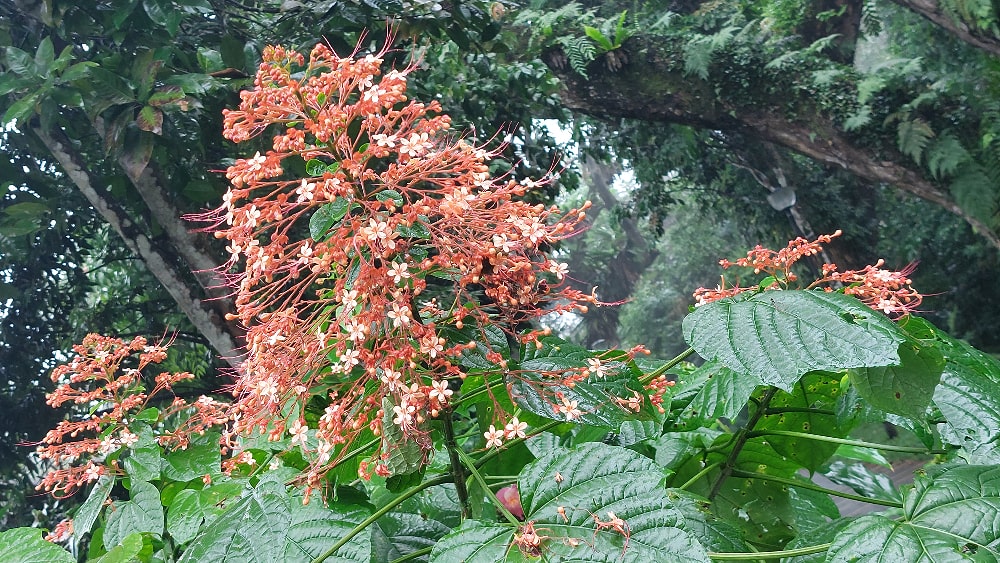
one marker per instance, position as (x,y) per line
(652,87)
(160,263)
(935,13)
(147,181)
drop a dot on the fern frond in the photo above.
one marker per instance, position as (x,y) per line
(858,120)
(913,136)
(975,192)
(871,20)
(580,51)
(946,155)
(697,57)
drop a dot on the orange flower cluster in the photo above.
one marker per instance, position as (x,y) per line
(888,291)
(333,268)
(105,377)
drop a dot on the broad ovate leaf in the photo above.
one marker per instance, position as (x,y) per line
(780,336)
(268,524)
(26,545)
(141,513)
(565,493)
(952,516)
(905,389)
(969,400)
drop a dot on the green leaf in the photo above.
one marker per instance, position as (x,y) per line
(968,399)
(19,62)
(141,513)
(596,479)
(418,230)
(588,481)
(86,515)
(125,552)
(25,545)
(270,525)
(315,167)
(144,460)
(813,391)
(200,457)
(402,455)
(326,217)
(905,389)
(782,335)
(954,515)
(713,532)
(150,119)
(864,481)
(386,195)
(22,109)
(44,55)
(598,37)
(184,516)
(594,397)
(416,524)
(473,542)
(724,395)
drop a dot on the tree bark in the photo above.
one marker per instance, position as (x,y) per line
(161,262)
(651,87)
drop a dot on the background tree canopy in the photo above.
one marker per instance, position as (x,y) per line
(738,121)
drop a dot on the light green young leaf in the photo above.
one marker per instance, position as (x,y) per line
(780,336)
(937,522)
(26,545)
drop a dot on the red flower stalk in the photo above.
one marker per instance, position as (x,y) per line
(332,269)
(883,290)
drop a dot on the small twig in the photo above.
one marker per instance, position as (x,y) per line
(741,439)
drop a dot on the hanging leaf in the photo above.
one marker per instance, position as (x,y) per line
(813,391)
(782,335)
(88,512)
(150,119)
(937,523)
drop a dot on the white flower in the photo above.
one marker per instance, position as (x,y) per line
(299,432)
(515,429)
(440,392)
(494,437)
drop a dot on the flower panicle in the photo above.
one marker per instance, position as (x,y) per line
(888,291)
(104,376)
(356,301)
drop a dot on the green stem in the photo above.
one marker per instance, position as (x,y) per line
(471,465)
(779,410)
(439,480)
(859,443)
(770,554)
(477,392)
(741,439)
(663,369)
(413,555)
(456,464)
(814,487)
(704,471)
(495,452)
